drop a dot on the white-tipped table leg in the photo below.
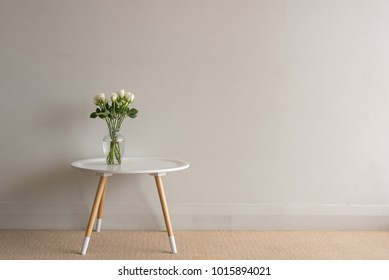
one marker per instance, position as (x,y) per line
(95,208)
(98,225)
(173,244)
(85,245)
(162,198)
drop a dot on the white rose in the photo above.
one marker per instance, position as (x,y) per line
(132,97)
(102,97)
(98,98)
(129,97)
(114,97)
(122,93)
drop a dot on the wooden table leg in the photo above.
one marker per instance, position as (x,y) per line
(101,208)
(162,198)
(92,218)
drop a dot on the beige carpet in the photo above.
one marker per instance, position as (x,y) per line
(271,245)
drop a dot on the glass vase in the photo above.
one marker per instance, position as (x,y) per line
(113,147)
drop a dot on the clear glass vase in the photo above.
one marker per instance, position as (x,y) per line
(113,147)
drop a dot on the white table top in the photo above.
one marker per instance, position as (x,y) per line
(132,165)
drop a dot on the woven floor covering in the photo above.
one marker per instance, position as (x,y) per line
(195,245)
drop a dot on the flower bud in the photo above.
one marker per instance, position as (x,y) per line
(102,97)
(129,97)
(132,97)
(121,93)
(114,97)
(98,98)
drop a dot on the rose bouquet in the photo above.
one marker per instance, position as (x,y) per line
(114,110)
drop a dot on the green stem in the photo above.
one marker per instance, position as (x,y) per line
(114,146)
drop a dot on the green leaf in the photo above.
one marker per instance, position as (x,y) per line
(132,113)
(100,114)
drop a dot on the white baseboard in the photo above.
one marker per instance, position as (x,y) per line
(210,216)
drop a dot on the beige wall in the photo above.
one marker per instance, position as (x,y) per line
(281,107)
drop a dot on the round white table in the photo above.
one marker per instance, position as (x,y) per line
(156,167)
